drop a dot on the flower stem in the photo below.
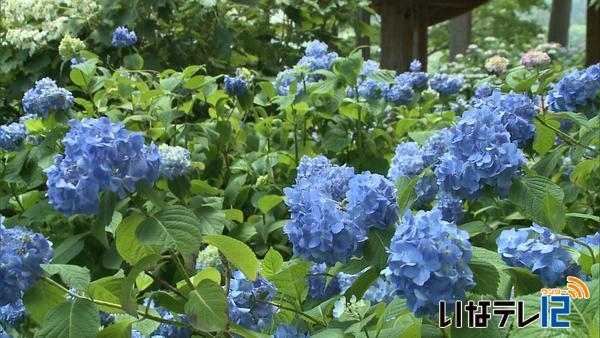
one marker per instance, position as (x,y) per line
(565,136)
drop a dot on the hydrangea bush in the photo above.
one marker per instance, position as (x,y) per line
(332,197)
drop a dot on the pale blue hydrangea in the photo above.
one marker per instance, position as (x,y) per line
(446,84)
(401,91)
(381,291)
(320,285)
(372,201)
(576,90)
(450,206)
(3,333)
(480,153)
(425,188)
(367,88)
(535,248)
(483,90)
(99,155)
(568,168)
(407,161)
(428,262)
(435,147)
(247,302)
(45,97)
(316,56)
(285,81)
(11,136)
(286,331)
(78,60)
(591,240)
(415,65)
(122,37)
(12,313)
(517,112)
(21,253)
(174,161)
(163,330)
(235,86)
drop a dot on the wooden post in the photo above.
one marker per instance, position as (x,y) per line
(362,40)
(460,34)
(420,18)
(396,34)
(592,37)
(560,18)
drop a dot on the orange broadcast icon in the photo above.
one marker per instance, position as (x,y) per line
(577,289)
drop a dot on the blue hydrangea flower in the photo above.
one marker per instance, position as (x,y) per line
(285,80)
(426,188)
(480,153)
(381,291)
(12,313)
(408,161)
(320,286)
(286,331)
(246,300)
(535,248)
(428,262)
(174,161)
(21,253)
(372,201)
(415,65)
(419,80)
(3,333)
(46,96)
(517,112)
(435,147)
(316,56)
(235,86)
(106,318)
(78,60)
(446,84)
(367,88)
(576,90)
(163,330)
(568,168)
(483,90)
(99,155)
(591,240)
(122,37)
(332,179)
(450,206)
(11,136)
(401,91)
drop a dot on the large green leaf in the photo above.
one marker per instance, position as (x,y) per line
(74,276)
(528,193)
(238,253)
(74,319)
(127,294)
(174,227)
(107,289)
(128,245)
(524,281)
(272,263)
(291,279)
(544,140)
(375,248)
(406,192)
(41,298)
(117,330)
(206,308)
(362,284)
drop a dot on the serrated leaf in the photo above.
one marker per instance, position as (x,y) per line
(528,192)
(127,243)
(206,308)
(41,298)
(375,248)
(107,289)
(524,281)
(544,139)
(117,330)
(553,213)
(582,171)
(291,280)
(74,276)
(173,228)
(238,254)
(74,319)
(272,263)
(486,276)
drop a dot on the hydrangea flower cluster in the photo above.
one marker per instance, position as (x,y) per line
(164,330)
(517,112)
(285,80)
(535,248)
(425,188)
(408,161)
(11,314)
(418,78)
(246,300)
(238,85)
(70,47)
(401,91)
(483,90)
(450,206)
(380,291)
(209,258)
(367,88)
(122,37)
(21,253)
(591,240)
(480,153)
(428,262)
(415,65)
(174,161)
(320,286)
(286,331)
(576,89)
(99,155)
(316,56)
(496,64)
(46,96)
(435,147)
(446,84)
(11,136)
(328,204)
(534,58)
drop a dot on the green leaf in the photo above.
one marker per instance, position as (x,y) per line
(406,192)
(74,319)
(127,293)
(117,330)
(291,279)
(396,308)
(41,298)
(238,253)
(421,137)
(524,281)
(362,284)
(544,140)
(180,186)
(528,193)
(350,109)
(206,308)
(553,213)
(128,245)
(107,208)
(348,68)
(375,247)
(582,171)
(69,248)
(268,202)
(133,61)
(486,276)
(107,289)
(272,263)
(175,227)
(74,276)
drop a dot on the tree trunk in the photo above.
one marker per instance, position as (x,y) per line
(362,40)
(403,33)
(560,18)
(592,37)
(460,34)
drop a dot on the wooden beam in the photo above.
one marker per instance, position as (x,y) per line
(592,36)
